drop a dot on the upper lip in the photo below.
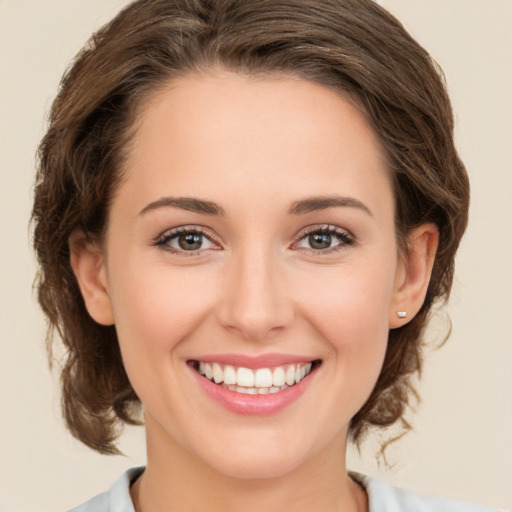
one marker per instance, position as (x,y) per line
(255,361)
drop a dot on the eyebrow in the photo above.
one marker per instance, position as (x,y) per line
(190,204)
(303,206)
(313,204)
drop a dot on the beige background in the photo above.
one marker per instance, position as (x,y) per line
(461,446)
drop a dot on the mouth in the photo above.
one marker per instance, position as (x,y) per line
(254,381)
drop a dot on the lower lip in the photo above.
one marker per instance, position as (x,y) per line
(254,405)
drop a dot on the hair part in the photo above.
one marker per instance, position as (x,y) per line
(352,46)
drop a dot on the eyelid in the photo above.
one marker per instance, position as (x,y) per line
(325,228)
(162,239)
(328,228)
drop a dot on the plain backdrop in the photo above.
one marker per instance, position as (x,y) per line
(461,446)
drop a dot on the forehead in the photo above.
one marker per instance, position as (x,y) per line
(203,133)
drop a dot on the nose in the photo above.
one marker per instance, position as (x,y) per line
(255,303)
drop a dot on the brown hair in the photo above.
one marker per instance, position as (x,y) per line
(353,46)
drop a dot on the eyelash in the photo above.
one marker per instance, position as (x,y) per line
(345,239)
(174,234)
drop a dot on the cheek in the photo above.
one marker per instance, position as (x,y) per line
(351,311)
(353,299)
(155,311)
(157,307)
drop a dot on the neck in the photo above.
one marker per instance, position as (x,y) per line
(175,479)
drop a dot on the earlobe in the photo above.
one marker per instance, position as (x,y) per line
(413,274)
(88,264)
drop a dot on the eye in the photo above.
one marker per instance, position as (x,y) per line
(186,240)
(324,239)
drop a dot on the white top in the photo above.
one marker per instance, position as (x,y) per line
(382,497)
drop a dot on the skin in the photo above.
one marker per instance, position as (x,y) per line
(254,147)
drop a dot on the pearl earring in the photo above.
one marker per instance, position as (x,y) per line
(401,314)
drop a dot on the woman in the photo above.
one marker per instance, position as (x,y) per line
(244,214)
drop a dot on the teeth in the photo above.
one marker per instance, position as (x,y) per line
(263,378)
(278,376)
(260,381)
(218,374)
(254,391)
(245,377)
(229,375)
(290,375)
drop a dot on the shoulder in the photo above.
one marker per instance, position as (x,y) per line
(384,497)
(116,499)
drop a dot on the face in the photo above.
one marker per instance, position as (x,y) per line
(251,269)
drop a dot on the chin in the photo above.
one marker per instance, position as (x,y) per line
(249,468)
(256,460)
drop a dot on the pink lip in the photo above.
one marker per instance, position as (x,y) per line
(253,405)
(254,362)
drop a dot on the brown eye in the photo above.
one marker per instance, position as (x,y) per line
(185,240)
(324,240)
(190,241)
(320,240)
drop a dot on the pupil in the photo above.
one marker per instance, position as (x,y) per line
(320,240)
(190,241)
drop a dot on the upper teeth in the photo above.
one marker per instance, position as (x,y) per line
(260,378)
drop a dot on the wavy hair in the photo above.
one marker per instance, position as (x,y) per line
(353,46)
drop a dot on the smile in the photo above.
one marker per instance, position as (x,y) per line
(254,385)
(259,381)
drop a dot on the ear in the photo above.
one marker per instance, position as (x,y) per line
(88,264)
(413,274)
